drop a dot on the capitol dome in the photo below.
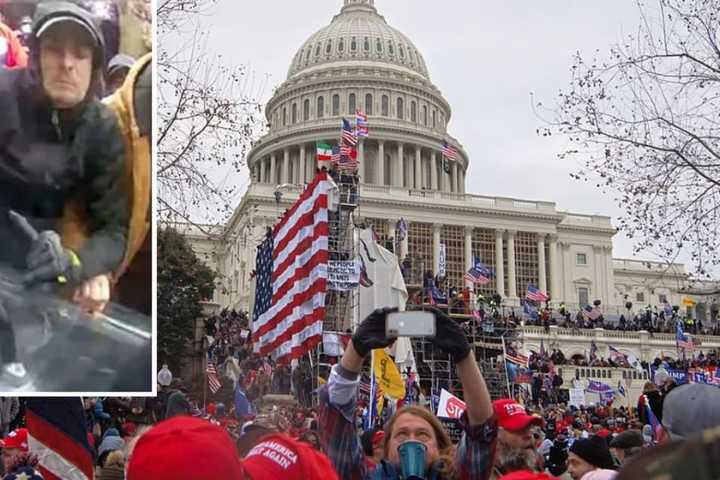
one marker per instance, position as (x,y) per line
(358,33)
(360,63)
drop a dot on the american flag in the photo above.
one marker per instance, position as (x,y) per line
(448,151)
(591,313)
(534,294)
(348,159)
(512,356)
(335,158)
(615,354)
(57,434)
(479,273)
(348,134)
(682,340)
(361,122)
(212,376)
(292,278)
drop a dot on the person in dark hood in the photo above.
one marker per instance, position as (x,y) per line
(57,143)
(118,68)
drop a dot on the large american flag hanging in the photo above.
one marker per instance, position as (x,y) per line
(58,436)
(292,278)
(212,376)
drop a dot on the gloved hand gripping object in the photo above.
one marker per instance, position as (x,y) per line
(47,260)
(370,334)
(449,336)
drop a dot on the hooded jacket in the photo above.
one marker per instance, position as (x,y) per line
(49,156)
(136,181)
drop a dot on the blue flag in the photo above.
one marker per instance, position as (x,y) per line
(243,407)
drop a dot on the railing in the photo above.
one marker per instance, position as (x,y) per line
(618,334)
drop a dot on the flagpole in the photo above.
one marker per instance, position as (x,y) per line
(205,382)
(507,380)
(372,388)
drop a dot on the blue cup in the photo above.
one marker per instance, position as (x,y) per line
(412,460)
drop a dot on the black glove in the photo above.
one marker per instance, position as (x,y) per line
(449,336)
(370,334)
(47,259)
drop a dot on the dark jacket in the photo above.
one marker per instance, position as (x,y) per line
(50,156)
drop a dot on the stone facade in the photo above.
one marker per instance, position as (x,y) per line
(359,61)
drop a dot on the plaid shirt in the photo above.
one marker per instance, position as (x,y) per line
(339,438)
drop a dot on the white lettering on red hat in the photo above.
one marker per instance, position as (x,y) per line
(276,452)
(514,409)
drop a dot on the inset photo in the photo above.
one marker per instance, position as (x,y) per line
(75,205)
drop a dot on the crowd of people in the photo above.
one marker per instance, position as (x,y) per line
(500,439)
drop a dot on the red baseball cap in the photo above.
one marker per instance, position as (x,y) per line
(378,437)
(184,447)
(279,456)
(16,439)
(512,416)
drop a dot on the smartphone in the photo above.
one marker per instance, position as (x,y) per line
(410,324)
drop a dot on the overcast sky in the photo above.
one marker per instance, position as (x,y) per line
(486,57)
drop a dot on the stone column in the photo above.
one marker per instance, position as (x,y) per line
(542,273)
(499,267)
(303,164)
(433,171)
(285,172)
(399,179)
(462,180)
(468,252)
(554,280)
(436,247)
(273,169)
(512,284)
(418,168)
(453,175)
(596,292)
(610,280)
(380,164)
(567,273)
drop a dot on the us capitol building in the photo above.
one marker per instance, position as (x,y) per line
(359,61)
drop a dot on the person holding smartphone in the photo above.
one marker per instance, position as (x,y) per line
(409,426)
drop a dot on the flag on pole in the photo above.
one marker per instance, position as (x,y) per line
(324,152)
(591,313)
(593,350)
(667,308)
(511,355)
(335,157)
(621,387)
(348,134)
(682,340)
(543,353)
(479,273)
(57,434)
(530,310)
(292,278)
(615,354)
(448,151)
(212,376)
(348,159)
(362,125)
(534,294)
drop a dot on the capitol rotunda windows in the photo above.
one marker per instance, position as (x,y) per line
(351,104)
(320,107)
(369,104)
(385,106)
(336,105)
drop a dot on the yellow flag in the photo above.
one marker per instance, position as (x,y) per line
(321,381)
(387,375)
(688,302)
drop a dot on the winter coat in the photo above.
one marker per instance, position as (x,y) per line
(49,157)
(136,181)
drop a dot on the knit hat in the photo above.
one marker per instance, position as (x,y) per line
(184,447)
(111,441)
(628,439)
(279,456)
(593,450)
(512,416)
